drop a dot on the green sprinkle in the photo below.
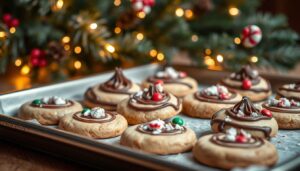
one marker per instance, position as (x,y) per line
(178,120)
(86,110)
(37,102)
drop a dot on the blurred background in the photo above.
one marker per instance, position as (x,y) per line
(48,41)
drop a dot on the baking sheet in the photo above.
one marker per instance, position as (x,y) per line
(287,141)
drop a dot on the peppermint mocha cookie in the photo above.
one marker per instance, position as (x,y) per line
(289,91)
(160,137)
(48,110)
(248,83)
(208,101)
(176,83)
(108,94)
(244,115)
(150,104)
(236,148)
(95,123)
(285,111)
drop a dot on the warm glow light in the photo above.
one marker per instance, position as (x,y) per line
(59,4)
(237,40)
(189,14)
(254,59)
(2,34)
(160,56)
(220,58)
(209,61)
(153,52)
(66,39)
(141,14)
(25,70)
(194,38)
(140,36)
(117,30)
(117,2)
(207,51)
(110,48)
(18,62)
(67,47)
(101,53)
(93,26)
(179,12)
(77,49)
(12,30)
(77,64)
(234,11)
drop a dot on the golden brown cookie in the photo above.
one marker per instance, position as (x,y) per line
(176,83)
(153,103)
(285,111)
(289,91)
(244,115)
(159,137)
(234,149)
(247,82)
(94,123)
(108,94)
(48,110)
(208,101)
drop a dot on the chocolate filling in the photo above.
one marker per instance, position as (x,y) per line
(109,116)
(215,99)
(92,97)
(163,133)
(219,139)
(168,80)
(54,106)
(293,109)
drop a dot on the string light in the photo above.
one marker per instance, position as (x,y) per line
(67,47)
(209,61)
(194,38)
(233,11)
(140,36)
(117,2)
(59,4)
(179,12)
(77,49)
(77,65)
(12,30)
(101,53)
(153,52)
(207,51)
(18,62)
(2,34)
(117,30)
(25,70)
(110,48)
(220,58)
(188,14)
(160,56)
(141,14)
(254,59)
(237,40)
(66,39)
(93,26)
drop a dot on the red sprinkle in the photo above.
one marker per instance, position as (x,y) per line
(240,139)
(266,112)
(247,84)
(224,96)
(157,97)
(154,125)
(159,82)
(182,74)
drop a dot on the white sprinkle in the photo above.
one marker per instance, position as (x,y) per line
(97,113)
(227,119)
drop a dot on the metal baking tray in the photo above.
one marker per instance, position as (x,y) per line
(107,153)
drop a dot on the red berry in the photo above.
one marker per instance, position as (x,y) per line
(42,62)
(14,23)
(240,139)
(223,96)
(247,84)
(34,62)
(36,53)
(266,112)
(157,97)
(159,82)
(7,18)
(149,2)
(182,74)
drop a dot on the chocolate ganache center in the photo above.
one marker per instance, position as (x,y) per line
(220,139)
(283,105)
(52,103)
(109,116)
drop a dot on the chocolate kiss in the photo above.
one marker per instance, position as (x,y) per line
(245,72)
(151,90)
(246,106)
(118,80)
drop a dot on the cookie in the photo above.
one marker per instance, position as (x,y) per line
(159,137)
(285,111)
(48,110)
(244,115)
(94,123)
(176,83)
(108,94)
(247,82)
(289,91)
(236,148)
(205,103)
(150,104)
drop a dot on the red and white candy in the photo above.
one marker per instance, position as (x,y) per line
(143,5)
(251,36)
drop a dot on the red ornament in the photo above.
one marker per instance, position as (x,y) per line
(224,96)
(14,23)
(37,58)
(156,97)
(247,84)
(149,2)
(251,36)
(36,53)
(42,62)
(266,112)
(159,82)
(6,18)
(241,138)
(182,74)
